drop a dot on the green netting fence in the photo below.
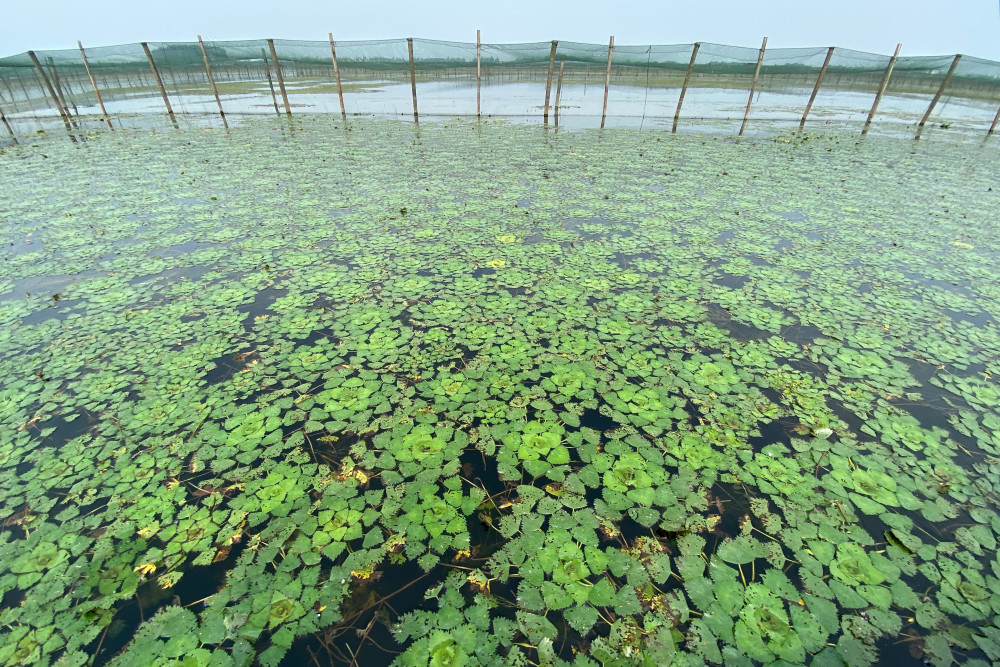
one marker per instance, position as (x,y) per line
(690,86)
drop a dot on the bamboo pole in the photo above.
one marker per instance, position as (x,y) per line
(336,74)
(29,100)
(940,92)
(559,89)
(413,76)
(993,125)
(66,90)
(607,80)
(51,90)
(753,85)
(687,79)
(27,95)
(60,100)
(93,83)
(59,93)
(3,117)
(548,80)
(159,82)
(281,79)
(881,89)
(10,90)
(270,82)
(57,84)
(819,82)
(479,75)
(211,81)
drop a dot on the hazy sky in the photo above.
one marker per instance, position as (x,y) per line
(925,27)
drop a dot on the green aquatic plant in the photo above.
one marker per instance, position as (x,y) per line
(418,444)
(593,411)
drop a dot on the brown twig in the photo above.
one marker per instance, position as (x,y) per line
(97,651)
(315,458)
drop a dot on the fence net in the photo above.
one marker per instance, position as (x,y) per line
(568,80)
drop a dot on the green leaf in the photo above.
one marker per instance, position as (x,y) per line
(581,617)
(602,594)
(741,550)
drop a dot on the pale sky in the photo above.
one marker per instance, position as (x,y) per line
(924,27)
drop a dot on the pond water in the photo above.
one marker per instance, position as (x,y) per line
(316,392)
(580,107)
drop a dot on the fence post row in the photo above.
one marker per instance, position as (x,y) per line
(211,80)
(607,80)
(819,82)
(753,86)
(940,92)
(687,78)
(63,98)
(93,83)
(159,82)
(479,74)
(413,76)
(270,82)
(559,89)
(281,80)
(51,90)
(881,89)
(548,80)
(336,74)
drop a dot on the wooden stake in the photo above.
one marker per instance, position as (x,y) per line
(51,90)
(413,76)
(559,89)
(548,80)
(940,92)
(819,82)
(607,80)
(881,89)
(270,82)
(336,74)
(93,83)
(687,78)
(211,80)
(3,118)
(479,75)
(159,82)
(281,79)
(753,85)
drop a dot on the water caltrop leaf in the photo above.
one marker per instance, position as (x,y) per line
(741,550)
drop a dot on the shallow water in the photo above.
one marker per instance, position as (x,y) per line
(580,107)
